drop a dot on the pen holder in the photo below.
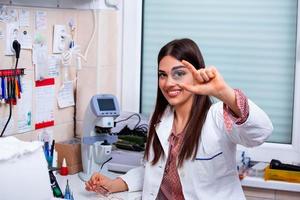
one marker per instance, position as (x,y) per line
(49,161)
(48,156)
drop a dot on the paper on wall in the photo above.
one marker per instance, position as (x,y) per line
(53,65)
(4,17)
(65,96)
(14,14)
(40,61)
(25,39)
(8,14)
(25,107)
(41,20)
(24,17)
(45,95)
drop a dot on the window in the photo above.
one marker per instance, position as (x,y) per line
(252,43)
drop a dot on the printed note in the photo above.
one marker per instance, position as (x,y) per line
(45,96)
(25,107)
(65,96)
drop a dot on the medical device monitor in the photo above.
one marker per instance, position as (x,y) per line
(105,105)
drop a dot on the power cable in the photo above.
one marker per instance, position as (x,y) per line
(17,47)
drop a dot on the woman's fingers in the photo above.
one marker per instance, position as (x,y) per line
(202,75)
(101,190)
(207,74)
(199,77)
(207,82)
(211,72)
(190,67)
(96,178)
(196,73)
(98,183)
(89,186)
(190,88)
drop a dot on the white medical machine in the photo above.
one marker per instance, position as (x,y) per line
(97,138)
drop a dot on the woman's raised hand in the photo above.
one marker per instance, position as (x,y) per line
(208,81)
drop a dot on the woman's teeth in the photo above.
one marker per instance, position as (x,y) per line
(173,93)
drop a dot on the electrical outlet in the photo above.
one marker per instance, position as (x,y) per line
(12,33)
(59,38)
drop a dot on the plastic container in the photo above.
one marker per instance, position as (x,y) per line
(282,175)
(258,170)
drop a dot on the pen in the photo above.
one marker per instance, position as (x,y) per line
(7,89)
(17,89)
(3,87)
(52,148)
(19,84)
(47,149)
(102,190)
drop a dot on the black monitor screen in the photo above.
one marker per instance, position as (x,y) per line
(106,104)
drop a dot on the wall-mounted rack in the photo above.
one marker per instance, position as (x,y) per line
(11,72)
(10,84)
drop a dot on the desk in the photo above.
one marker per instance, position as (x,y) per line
(77,186)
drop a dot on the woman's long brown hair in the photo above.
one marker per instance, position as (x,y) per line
(182,49)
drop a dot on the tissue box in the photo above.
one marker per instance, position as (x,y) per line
(71,151)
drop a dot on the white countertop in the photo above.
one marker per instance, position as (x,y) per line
(77,186)
(257,182)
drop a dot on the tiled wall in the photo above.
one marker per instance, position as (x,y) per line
(98,74)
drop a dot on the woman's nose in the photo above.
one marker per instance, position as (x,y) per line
(170,81)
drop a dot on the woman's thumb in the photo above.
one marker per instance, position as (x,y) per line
(184,86)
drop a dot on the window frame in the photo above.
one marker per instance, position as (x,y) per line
(130,101)
(131,55)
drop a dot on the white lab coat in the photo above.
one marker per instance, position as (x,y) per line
(213,174)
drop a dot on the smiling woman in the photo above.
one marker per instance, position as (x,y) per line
(191,146)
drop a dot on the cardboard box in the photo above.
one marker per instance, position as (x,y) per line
(71,150)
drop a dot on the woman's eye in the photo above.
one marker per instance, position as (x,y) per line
(161,75)
(178,74)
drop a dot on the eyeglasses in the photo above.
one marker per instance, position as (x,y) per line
(178,74)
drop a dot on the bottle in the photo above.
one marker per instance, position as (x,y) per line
(64,168)
(67,191)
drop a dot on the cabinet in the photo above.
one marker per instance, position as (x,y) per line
(269,194)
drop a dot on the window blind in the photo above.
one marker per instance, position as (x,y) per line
(252,43)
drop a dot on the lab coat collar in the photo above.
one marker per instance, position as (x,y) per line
(164,127)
